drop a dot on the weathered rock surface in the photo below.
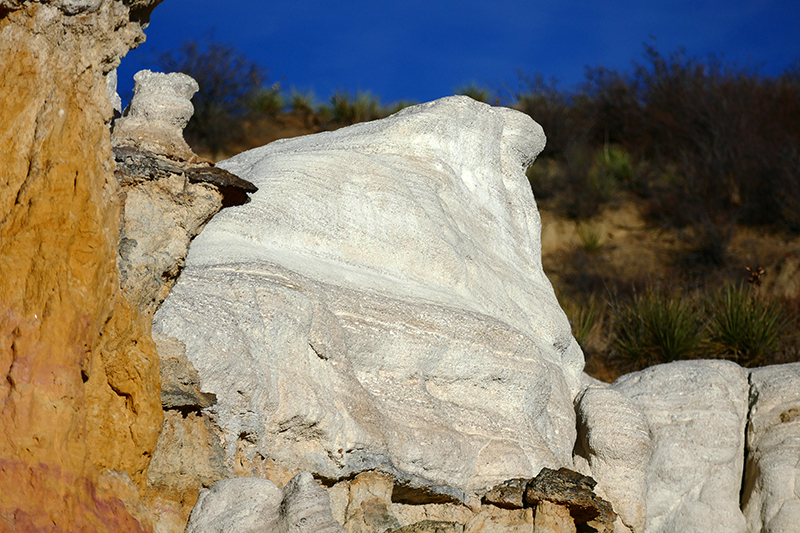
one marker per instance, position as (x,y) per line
(250,505)
(167,193)
(771,494)
(380,304)
(509,495)
(573,491)
(237,505)
(79,376)
(364,504)
(615,447)
(159,111)
(696,412)
(553,518)
(430,526)
(562,498)
(180,383)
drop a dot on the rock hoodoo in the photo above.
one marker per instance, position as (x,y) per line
(168,195)
(159,111)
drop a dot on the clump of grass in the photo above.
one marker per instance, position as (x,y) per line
(591,236)
(653,328)
(347,109)
(476,92)
(302,102)
(268,101)
(588,321)
(611,171)
(614,162)
(745,328)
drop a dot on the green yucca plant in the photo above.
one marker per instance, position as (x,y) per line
(611,170)
(586,318)
(616,162)
(653,328)
(744,327)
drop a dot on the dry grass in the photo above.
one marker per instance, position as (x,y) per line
(636,255)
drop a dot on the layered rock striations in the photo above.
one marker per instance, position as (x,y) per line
(377,317)
(380,304)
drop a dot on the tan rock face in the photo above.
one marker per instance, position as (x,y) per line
(78,373)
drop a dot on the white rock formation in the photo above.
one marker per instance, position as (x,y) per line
(696,412)
(255,505)
(113,96)
(614,443)
(380,303)
(159,111)
(771,495)
(239,505)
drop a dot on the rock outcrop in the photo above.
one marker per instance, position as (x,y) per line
(573,491)
(614,447)
(86,257)
(168,195)
(79,391)
(373,332)
(561,499)
(159,111)
(771,492)
(696,412)
(380,304)
(250,505)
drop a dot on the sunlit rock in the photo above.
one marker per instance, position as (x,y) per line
(380,304)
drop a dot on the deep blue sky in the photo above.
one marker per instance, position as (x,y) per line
(424,49)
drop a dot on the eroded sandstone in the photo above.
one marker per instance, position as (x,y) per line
(79,392)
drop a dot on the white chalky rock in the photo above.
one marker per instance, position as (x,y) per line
(241,505)
(697,412)
(771,496)
(159,111)
(255,505)
(614,441)
(380,303)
